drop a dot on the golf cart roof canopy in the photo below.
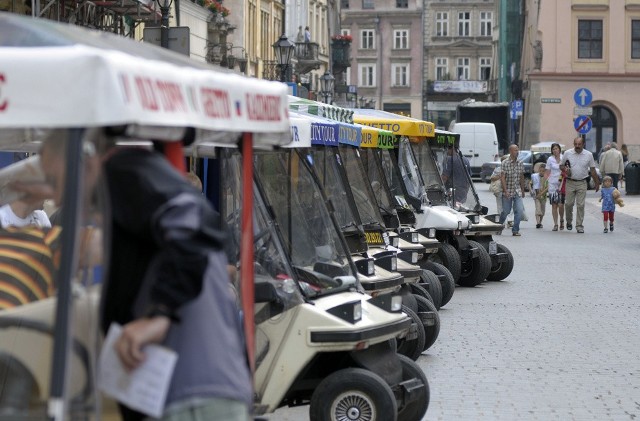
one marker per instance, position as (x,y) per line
(88,78)
(399,125)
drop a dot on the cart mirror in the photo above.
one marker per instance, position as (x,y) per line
(484,210)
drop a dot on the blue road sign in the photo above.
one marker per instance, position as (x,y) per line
(583,124)
(583,97)
(516,106)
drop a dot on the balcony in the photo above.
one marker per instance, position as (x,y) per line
(306,54)
(340,55)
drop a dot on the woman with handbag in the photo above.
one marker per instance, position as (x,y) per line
(556,176)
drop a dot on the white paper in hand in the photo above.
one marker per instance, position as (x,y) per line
(145,388)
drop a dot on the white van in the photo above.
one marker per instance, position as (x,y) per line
(479,143)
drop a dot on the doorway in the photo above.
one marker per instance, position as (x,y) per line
(603,131)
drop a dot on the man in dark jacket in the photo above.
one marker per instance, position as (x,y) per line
(166,280)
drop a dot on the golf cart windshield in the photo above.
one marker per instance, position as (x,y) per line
(361,188)
(455,171)
(371,162)
(310,238)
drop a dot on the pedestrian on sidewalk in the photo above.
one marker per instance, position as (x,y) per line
(607,197)
(579,163)
(512,175)
(555,177)
(612,164)
(538,189)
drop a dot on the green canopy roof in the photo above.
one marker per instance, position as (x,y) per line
(332,112)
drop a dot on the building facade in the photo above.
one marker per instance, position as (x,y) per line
(460,56)
(386,53)
(581,69)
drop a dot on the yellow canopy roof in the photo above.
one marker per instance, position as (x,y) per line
(376,138)
(399,125)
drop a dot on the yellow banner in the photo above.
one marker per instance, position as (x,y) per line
(401,126)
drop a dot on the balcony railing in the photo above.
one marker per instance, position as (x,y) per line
(340,55)
(306,54)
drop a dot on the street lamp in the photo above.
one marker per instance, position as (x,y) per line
(326,83)
(284,53)
(362,101)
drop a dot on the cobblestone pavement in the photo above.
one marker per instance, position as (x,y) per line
(558,340)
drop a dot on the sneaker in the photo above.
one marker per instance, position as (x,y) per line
(569,226)
(516,234)
(606,231)
(510,224)
(580,230)
(611,227)
(538,225)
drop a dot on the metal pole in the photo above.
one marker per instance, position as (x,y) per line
(73,182)
(164,24)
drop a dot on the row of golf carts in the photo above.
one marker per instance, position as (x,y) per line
(350,228)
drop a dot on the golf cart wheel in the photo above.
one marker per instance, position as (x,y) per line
(501,270)
(412,348)
(421,291)
(475,271)
(353,394)
(447,256)
(415,410)
(430,332)
(433,287)
(446,280)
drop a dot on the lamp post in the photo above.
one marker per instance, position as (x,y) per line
(283,49)
(164,22)
(326,84)
(362,101)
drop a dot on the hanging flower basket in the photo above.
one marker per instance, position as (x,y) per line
(342,38)
(216,7)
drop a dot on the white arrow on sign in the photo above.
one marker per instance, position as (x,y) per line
(583,95)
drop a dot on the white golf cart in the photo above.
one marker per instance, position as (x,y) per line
(62,80)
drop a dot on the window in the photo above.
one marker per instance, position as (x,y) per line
(367,75)
(442,68)
(345,32)
(442,24)
(464,24)
(344,4)
(402,4)
(635,39)
(368,4)
(401,39)
(485,68)
(400,74)
(367,39)
(589,39)
(486,23)
(463,69)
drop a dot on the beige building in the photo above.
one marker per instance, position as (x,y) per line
(581,58)
(459,56)
(386,53)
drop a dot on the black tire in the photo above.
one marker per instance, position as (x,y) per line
(449,257)
(362,394)
(431,333)
(500,271)
(412,348)
(475,271)
(430,281)
(446,280)
(414,411)
(421,291)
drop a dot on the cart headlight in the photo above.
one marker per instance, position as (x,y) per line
(459,225)
(394,264)
(414,237)
(350,312)
(390,303)
(476,219)
(366,267)
(414,257)
(395,242)
(432,233)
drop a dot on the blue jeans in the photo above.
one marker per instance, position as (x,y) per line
(507,204)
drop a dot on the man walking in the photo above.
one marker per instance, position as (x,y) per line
(511,176)
(612,164)
(579,163)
